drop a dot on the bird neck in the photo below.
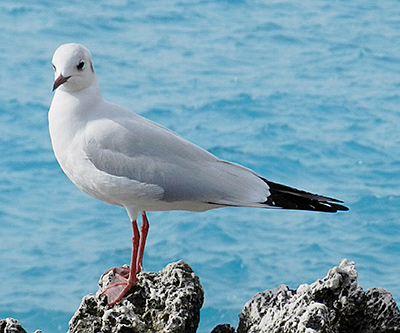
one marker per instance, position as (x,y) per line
(76,102)
(70,111)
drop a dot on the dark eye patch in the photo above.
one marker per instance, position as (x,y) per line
(80,65)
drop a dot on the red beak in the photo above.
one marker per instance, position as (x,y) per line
(59,81)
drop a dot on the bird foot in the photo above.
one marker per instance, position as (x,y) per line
(119,285)
(124,278)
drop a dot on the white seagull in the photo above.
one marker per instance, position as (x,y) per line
(126,160)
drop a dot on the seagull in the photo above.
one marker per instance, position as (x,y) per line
(121,158)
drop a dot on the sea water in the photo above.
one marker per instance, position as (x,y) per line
(304,93)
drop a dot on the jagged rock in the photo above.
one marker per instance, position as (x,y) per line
(336,304)
(11,325)
(168,302)
(223,328)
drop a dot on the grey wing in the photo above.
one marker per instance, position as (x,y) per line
(150,154)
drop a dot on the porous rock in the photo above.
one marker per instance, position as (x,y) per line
(223,328)
(11,325)
(335,304)
(168,301)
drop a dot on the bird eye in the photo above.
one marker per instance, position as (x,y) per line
(81,65)
(54,67)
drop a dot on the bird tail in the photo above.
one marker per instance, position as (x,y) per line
(283,196)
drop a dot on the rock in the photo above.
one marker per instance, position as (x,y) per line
(224,328)
(11,325)
(336,304)
(168,302)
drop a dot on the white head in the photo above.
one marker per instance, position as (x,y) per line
(73,68)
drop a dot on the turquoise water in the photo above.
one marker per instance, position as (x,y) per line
(306,94)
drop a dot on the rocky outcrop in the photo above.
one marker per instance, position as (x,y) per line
(224,328)
(335,304)
(168,302)
(11,325)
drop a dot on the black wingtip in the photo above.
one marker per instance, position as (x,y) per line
(290,198)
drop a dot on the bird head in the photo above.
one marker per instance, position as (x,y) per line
(73,68)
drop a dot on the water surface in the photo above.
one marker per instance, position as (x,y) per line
(305,94)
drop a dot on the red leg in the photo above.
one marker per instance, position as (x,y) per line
(125,278)
(143,236)
(135,248)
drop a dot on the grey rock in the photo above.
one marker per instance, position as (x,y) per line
(168,301)
(336,304)
(223,328)
(11,325)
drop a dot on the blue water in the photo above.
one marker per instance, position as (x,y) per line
(305,93)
